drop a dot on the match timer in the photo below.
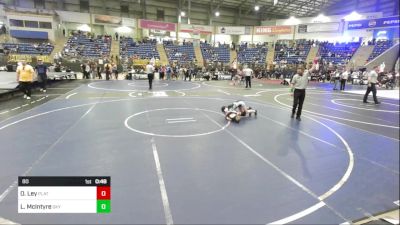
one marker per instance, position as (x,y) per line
(48,194)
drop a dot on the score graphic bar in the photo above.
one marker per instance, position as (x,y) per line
(64,194)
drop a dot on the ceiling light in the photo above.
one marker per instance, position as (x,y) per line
(256,7)
(321,18)
(183,13)
(353,16)
(275,2)
(292,21)
(217,13)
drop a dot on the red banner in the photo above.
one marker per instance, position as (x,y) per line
(157,25)
(273,30)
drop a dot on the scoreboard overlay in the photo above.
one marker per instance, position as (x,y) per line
(48,194)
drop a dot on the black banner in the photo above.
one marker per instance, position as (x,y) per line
(302,28)
(63,181)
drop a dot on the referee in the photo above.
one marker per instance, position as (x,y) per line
(299,84)
(150,74)
(372,80)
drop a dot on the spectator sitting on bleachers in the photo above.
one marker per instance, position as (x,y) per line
(86,45)
(181,53)
(217,53)
(338,53)
(380,47)
(145,49)
(252,53)
(28,48)
(293,53)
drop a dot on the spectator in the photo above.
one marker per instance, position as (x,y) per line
(25,78)
(336,79)
(41,70)
(99,72)
(3,29)
(168,71)
(107,68)
(115,70)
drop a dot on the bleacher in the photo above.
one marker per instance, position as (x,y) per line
(254,54)
(338,53)
(28,48)
(380,47)
(180,53)
(139,50)
(85,46)
(294,54)
(212,54)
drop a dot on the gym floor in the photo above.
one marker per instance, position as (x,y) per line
(173,158)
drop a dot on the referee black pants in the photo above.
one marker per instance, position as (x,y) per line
(342,84)
(298,98)
(369,89)
(150,76)
(248,81)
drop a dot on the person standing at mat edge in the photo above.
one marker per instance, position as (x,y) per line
(107,68)
(41,70)
(25,78)
(372,80)
(343,79)
(150,74)
(298,86)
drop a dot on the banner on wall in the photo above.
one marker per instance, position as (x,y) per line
(28,58)
(318,27)
(157,25)
(386,33)
(128,22)
(29,34)
(392,21)
(104,19)
(231,30)
(190,28)
(271,30)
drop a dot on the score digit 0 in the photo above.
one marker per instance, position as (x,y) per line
(103,193)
